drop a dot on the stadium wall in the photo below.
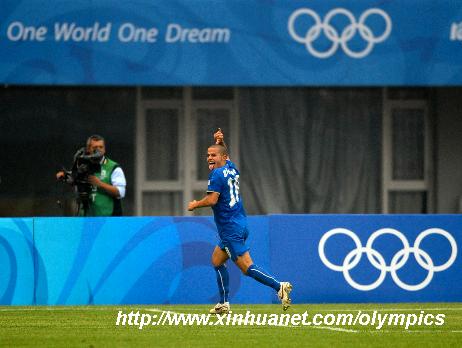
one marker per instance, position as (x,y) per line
(448,127)
(166,260)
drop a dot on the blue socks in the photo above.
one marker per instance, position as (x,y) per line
(263,277)
(223,282)
(253,271)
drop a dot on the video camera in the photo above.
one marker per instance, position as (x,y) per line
(85,164)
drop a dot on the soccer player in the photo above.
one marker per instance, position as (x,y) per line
(224,198)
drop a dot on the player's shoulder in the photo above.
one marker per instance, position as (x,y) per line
(230,168)
(216,173)
(228,165)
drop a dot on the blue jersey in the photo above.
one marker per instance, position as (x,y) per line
(229,212)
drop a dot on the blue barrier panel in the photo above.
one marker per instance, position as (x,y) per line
(250,290)
(328,258)
(16,262)
(368,258)
(239,42)
(138,260)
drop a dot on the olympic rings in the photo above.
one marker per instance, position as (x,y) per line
(397,262)
(334,36)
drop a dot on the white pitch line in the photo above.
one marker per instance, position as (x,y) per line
(333,328)
(161,310)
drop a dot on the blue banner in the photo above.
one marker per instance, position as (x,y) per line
(138,260)
(18,262)
(166,260)
(369,258)
(229,43)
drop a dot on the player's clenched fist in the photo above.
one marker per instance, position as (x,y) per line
(192,205)
(218,137)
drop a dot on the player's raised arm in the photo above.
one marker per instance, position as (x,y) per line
(219,138)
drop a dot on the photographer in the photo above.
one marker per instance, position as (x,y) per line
(99,181)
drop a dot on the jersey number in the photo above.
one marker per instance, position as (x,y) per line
(233,184)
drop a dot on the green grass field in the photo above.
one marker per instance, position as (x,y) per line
(94,326)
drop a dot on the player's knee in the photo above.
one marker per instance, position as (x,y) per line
(215,262)
(244,269)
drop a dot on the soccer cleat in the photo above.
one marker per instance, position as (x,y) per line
(284,293)
(220,308)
